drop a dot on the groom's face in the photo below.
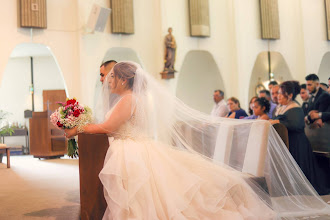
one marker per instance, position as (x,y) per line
(104,70)
(103,74)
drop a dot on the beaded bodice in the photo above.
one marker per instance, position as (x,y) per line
(126,130)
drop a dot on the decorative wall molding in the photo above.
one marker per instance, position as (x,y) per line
(270,24)
(33,13)
(327,17)
(122,16)
(199,18)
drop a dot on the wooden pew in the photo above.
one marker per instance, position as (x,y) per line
(92,151)
(283,133)
(6,149)
(319,137)
(320,141)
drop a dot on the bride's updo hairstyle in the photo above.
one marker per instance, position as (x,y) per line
(290,87)
(125,70)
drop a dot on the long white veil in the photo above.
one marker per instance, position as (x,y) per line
(251,147)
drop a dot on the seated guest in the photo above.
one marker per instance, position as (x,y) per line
(320,117)
(319,99)
(266,94)
(305,97)
(220,108)
(235,109)
(251,104)
(260,108)
(274,94)
(291,115)
(271,84)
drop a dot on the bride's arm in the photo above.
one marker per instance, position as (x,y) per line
(121,113)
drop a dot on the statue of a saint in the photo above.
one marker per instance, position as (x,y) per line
(170,47)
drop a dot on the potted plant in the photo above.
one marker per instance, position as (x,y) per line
(4,129)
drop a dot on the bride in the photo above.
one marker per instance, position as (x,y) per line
(161,161)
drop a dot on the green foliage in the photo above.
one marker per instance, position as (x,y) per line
(72,148)
(5,130)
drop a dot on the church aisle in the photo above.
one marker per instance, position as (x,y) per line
(39,189)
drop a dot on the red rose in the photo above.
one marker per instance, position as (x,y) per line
(71,102)
(59,124)
(76,113)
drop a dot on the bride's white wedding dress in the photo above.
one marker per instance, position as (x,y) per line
(146,179)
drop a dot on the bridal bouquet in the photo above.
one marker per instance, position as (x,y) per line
(69,115)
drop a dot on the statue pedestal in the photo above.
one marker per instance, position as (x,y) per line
(167,74)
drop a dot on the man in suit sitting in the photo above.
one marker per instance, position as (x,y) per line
(319,99)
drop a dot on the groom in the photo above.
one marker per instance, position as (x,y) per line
(105,68)
(98,111)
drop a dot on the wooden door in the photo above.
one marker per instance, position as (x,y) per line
(51,97)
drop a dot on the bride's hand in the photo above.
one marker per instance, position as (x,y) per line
(70,132)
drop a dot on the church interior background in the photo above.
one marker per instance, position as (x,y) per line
(221,44)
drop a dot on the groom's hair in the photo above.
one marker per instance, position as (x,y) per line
(106,63)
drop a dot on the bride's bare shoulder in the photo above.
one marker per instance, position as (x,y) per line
(124,102)
(127,98)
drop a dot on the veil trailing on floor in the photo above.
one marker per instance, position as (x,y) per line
(251,147)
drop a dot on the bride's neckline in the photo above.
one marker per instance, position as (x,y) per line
(125,94)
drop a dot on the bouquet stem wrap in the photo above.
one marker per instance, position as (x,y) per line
(72,148)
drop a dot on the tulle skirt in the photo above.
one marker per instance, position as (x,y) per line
(145,179)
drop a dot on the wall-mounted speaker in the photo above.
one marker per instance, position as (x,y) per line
(98,18)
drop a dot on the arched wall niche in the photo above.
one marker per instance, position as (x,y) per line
(324,69)
(118,54)
(260,72)
(15,89)
(122,54)
(199,77)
